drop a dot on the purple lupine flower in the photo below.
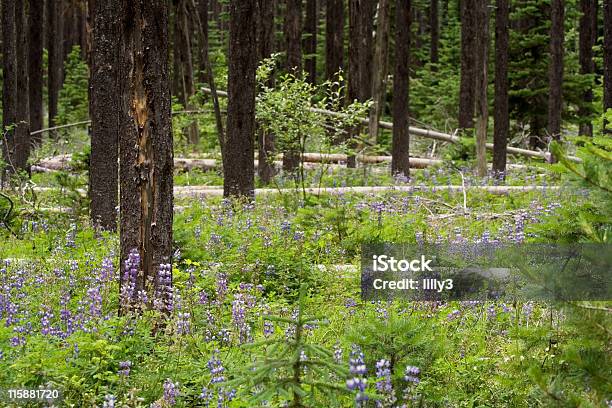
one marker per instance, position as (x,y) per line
(412,374)
(358,370)
(128,285)
(109,401)
(171,391)
(338,353)
(183,323)
(124,368)
(383,384)
(268,328)
(215,366)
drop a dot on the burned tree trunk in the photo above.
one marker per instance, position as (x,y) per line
(265,44)
(105,97)
(434,29)
(400,164)
(35,67)
(501,119)
(145,147)
(310,40)
(55,29)
(607,53)
(22,131)
(334,38)
(482,82)
(9,82)
(238,163)
(468,64)
(381,48)
(293,40)
(587,39)
(555,71)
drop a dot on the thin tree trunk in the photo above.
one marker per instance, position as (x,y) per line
(238,163)
(555,72)
(381,51)
(177,68)
(400,164)
(201,20)
(293,39)
(501,119)
(187,68)
(35,67)
(145,145)
(55,28)
(9,83)
(22,132)
(482,82)
(468,64)
(105,95)
(607,58)
(434,29)
(334,39)
(587,39)
(210,76)
(265,44)
(310,40)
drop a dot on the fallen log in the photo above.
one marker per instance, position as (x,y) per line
(429,134)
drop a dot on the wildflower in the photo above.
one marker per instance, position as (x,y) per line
(124,368)
(109,401)
(171,391)
(411,374)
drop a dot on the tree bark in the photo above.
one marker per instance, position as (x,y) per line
(35,67)
(434,29)
(238,163)
(555,72)
(145,145)
(311,24)
(9,83)
(501,118)
(105,95)
(22,131)
(381,51)
(482,106)
(607,58)
(587,39)
(360,59)
(400,164)
(265,47)
(468,64)
(334,39)
(293,47)
(55,29)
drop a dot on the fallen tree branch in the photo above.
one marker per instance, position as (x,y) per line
(426,133)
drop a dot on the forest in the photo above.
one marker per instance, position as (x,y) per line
(192,193)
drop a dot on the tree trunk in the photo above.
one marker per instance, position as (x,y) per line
(607,52)
(381,51)
(334,39)
(22,131)
(587,39)
(468,64)
(186,61)
(555,71)
(293,40)
(202,26)
(501,119)
(145,145)
(238,163)
(55,29)
(359,66)
(482,106)
(177,69)
(400,164)
(9,82)
(265,47)
(434,29)
(105,95)
(35,67)
(310,40)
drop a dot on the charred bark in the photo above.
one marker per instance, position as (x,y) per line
(468,64)
(501,118)
(105,95)
(587,39)
(334,38)
(555,72)
(238,163)
(311,24)
(400,164)
(55,29)
(35,67)
(293,47)
(381,51)
(145,145)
